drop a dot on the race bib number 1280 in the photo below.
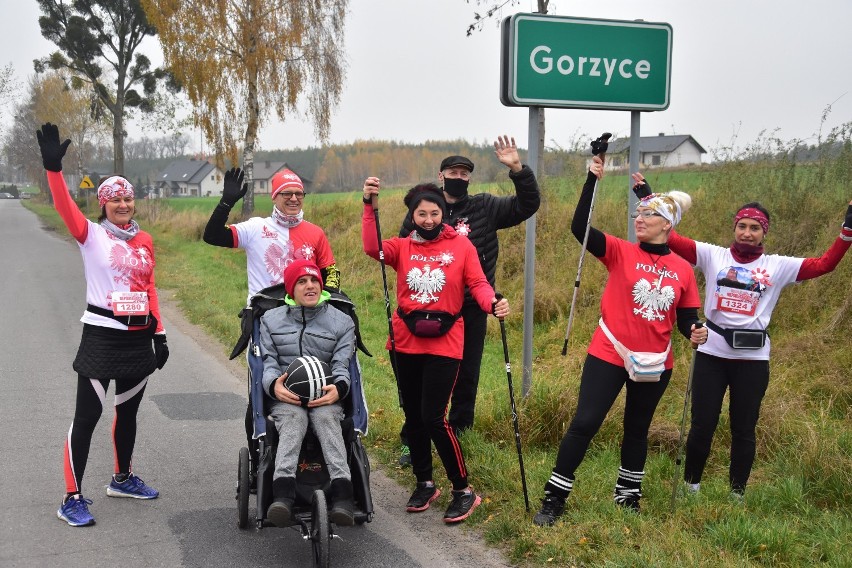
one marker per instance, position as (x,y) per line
(130,303)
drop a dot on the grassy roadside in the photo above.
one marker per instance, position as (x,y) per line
(796,510)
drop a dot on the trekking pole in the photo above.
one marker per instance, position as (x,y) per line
(387,300)
(514,410)
(680,443)
(599,146)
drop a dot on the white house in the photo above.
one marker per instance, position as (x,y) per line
(189,178)
(661,151)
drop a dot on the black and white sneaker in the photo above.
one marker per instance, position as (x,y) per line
(424,493)
(552,507)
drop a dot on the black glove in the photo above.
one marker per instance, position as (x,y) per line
(848,222)
(232,192)
(52,150)
(161,350)
(642,189)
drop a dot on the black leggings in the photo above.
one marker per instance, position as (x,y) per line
(600,384)
(747,381)
(426,382)
(91,394)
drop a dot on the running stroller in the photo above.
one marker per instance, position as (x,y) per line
(257,461)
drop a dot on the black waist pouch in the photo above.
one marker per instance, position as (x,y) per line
(741,338)
(425,323)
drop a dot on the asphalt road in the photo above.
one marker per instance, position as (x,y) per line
(190,430)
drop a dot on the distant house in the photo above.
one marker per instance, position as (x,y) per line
(189,178)
(661,151)
(265,169)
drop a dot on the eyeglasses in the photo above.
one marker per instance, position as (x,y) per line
(647,214)
(299,195)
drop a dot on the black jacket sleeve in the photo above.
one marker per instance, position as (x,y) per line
(597,240)
(685,318)
(512,210)
(216,232)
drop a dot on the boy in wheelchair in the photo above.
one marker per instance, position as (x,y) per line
(307,325)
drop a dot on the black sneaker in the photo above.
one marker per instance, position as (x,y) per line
(631,503)
(424,493)
(462,505)
(552,507)
(280,513)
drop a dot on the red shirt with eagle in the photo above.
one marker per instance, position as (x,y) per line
(111,264)
(639,302)
(431,275)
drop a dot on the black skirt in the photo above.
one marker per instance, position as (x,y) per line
(107,353)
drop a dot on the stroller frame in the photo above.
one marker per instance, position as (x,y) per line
(256,461)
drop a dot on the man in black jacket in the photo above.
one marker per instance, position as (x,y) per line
(479,217)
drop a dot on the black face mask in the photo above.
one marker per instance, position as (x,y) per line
(456,187)
(429,234)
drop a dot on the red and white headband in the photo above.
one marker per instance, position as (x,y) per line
(753,214)
(114,186)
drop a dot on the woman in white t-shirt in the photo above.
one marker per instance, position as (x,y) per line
(742,287)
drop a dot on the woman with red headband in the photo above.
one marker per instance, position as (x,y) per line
(121,320)
(742,287)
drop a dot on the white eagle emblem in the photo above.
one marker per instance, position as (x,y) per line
(653,299)
(425,283)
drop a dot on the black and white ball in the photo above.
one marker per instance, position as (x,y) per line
(306,376)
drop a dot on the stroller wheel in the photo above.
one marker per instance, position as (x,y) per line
(243,488)
(320,534)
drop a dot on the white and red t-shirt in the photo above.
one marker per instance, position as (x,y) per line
(739,295)
(271,247)
(111,264)
(639,302)
(431,275)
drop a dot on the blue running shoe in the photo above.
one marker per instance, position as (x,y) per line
(131,487)
(75,511)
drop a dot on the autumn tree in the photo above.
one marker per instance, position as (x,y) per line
(54,100)
(241,60)
(98,42)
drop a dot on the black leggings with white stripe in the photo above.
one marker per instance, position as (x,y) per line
(91,394)
(600,384)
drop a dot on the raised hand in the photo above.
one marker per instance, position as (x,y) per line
(641,187)
(234,188)
(507,153)
(52,150)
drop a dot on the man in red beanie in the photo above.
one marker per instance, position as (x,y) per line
(271,243)
(307,325)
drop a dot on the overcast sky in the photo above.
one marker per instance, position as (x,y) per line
(739,68)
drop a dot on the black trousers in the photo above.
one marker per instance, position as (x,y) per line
(600,384)
(426,382)
(747,382)
(463,404)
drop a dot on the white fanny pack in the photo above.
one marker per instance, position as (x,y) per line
(641,366)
